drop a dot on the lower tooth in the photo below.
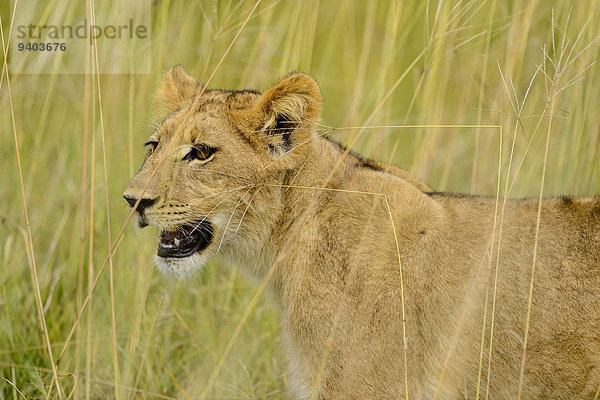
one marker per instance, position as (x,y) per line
(176,242)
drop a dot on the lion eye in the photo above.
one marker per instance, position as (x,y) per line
(202,152)
(152,144)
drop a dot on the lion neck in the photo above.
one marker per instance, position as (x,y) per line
(285,212)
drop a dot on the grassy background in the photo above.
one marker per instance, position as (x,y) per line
(466,62)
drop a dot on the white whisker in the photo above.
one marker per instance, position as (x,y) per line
(246,210)
(230,218)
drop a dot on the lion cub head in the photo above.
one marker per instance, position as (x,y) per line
(209,156)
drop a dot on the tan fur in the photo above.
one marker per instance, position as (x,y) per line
(336,279)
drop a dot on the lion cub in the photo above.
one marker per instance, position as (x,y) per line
(384,287)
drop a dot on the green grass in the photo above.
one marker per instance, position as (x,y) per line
(475,63)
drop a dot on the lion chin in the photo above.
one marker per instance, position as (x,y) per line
(181,268)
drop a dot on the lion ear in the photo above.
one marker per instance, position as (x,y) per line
(176,90)
(286,112)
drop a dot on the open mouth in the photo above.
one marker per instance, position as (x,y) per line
(186,240)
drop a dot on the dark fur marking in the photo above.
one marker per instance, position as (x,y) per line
(234,92)
(450,194)
(374,165)
(365,162)
(476,198)
(251,91)
(566,200)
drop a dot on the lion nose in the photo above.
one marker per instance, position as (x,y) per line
(144,202)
